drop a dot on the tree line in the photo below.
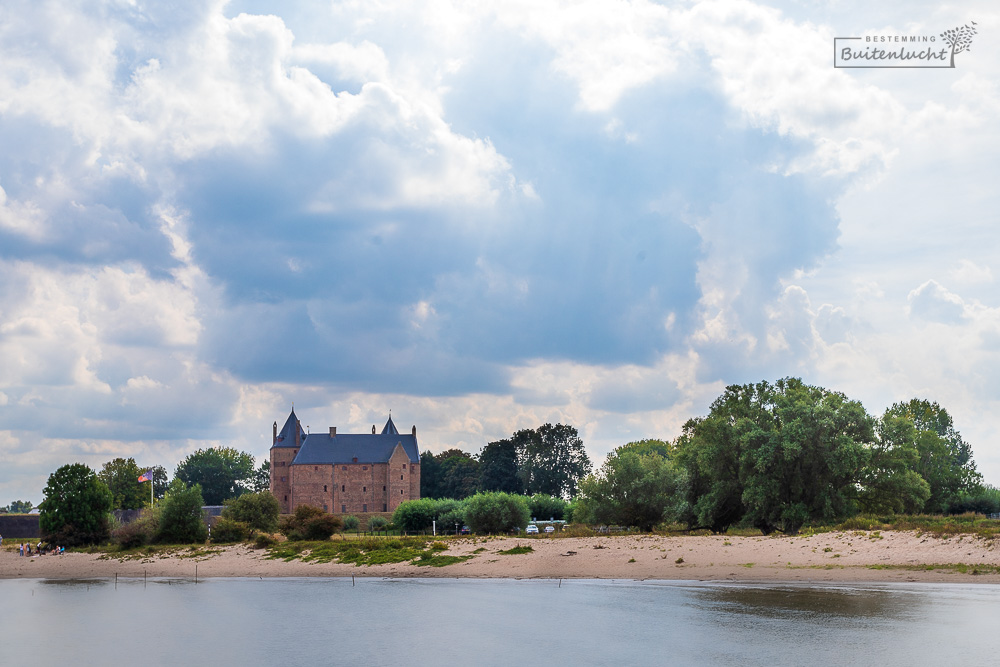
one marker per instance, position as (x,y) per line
(776,456)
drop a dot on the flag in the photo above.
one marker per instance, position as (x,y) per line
(146,476)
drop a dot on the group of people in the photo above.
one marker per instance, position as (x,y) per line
(25,549)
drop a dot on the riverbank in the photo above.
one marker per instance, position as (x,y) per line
(825,557)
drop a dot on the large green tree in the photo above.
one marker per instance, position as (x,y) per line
(553,460)
(122,478)
(19,507)
(775,456)
(632,488)
(76,507)
(943,458)
(221,472)
(889,482)
(430,476)
(459,474)
(499,466)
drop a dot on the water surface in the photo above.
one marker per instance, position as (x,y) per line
(493,622)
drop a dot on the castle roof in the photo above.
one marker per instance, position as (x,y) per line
(286,436)
(326,449)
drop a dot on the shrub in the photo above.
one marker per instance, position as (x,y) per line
(228,530)
(309,523)
(321,527)
(497,512)
(181,520)
(415,515)
(376,523)
(138,533)
(263,541)
(544,507)
(350,522)
(259,511)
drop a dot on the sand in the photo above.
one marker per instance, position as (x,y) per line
(828,557)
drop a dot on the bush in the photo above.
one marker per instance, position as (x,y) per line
(259,511)
(309,523)
(351,522)
(544,507)
(228,530)
(138,533)
(415,515)
(497,512)
(376,523)
(181,520)
(263,541)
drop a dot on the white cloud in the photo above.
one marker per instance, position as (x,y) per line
(933,302)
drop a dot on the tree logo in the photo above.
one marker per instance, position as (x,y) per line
(960,39)
(903,51)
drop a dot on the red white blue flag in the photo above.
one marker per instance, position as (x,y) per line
(146,476)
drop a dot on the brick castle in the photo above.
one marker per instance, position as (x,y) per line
(344,473)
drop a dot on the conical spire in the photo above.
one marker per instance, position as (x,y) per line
(291,434)
(389,428)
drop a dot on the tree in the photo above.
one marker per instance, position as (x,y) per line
(76,507)
(553,460)
(122,478)
(261,480)
(498,467)
(181,520)
(430,476)
(959,39)
(775,456)
(221,472)
(889,483)
(259,511)
(19,507)
(160,481)
(943,458)
(458,474)
(632,489)
(496,512)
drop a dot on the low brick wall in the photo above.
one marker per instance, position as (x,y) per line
(19,526)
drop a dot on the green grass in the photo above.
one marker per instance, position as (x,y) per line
(959,568)
(516,551)
(367,551)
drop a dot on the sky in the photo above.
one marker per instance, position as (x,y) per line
(482,216)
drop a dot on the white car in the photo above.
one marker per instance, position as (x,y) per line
(550,529)
(532,530)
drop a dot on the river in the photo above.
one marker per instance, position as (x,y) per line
(492,622)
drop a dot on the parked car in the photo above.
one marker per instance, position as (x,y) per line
(550,529)
(465,530)
(532,530)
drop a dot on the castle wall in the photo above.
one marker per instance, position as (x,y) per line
(281,485)
(312,485)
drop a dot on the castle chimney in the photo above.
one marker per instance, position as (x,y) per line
(274,434)
(414,430)
(373,429)
(298,433)
(333,431)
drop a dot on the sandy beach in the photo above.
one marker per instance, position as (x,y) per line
(826,557)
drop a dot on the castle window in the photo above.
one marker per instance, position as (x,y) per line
(401,477)
(364,489)
(282,479)
(324,491)
(383,488)
(400,492)
(364,467)
(343,509)
(286,498)
(404,466)
(343,488)
(343,467)
(385,508)
(364,508)
(324,507)
(315,467)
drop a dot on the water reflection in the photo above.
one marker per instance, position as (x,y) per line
(805,602)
